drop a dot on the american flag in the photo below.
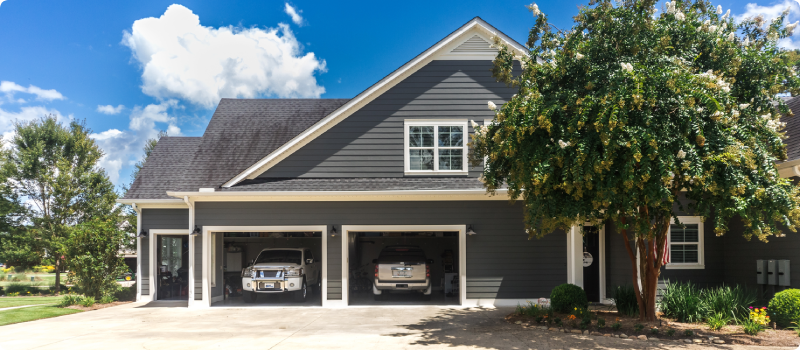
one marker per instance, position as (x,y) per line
(666,250)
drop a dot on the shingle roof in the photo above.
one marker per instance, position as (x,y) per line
(792,129)
(240,133)
(357,184)
(164,168)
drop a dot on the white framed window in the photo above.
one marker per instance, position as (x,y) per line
(685,244)
(435,147)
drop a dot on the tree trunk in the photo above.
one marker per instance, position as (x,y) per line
(647,267)
(58,275)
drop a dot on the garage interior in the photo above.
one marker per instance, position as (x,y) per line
(239,249)
(441,247)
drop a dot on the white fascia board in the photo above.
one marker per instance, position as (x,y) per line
(149,203)
(368,96)
(339,196)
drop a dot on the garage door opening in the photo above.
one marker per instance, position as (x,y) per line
(271,269)
(403,268)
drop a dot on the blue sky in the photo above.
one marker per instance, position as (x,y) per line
(131,68)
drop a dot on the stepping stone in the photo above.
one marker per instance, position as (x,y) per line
(718,341)
(576,331)
(623,335)
(518,322)
(607,335)
(697,341)
(653,339)
(711,337)
(633,337)
(544,328)
(586,332)
(642,337)
(688,341)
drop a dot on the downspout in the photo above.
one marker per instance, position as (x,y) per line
(138,251)
(191,250)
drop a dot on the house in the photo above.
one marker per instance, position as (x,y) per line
(345,178)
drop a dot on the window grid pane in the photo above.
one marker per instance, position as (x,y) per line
(421,159)
(447,154)
(451,159)
(420,136)
(688,234)
(451,136)
(684,253)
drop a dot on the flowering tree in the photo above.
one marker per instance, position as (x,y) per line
(618,117)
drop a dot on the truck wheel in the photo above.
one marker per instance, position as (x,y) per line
(300,295)
(249,297)
(318,285)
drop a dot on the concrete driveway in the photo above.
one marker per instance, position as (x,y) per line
(158,326)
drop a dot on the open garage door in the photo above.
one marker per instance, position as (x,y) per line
(272,269)
(403,267)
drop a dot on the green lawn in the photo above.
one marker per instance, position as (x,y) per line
(32,313)
(43,280)
(20,301)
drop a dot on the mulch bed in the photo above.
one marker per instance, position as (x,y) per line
(96,306)
(731,334)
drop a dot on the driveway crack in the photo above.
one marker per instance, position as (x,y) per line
(295,332)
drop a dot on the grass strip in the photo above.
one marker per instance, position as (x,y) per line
(33,313)
(21,301)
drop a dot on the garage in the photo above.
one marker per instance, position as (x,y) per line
(410,267)
(270,268)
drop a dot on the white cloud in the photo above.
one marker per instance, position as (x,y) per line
(772,11)
(292,12)
(180,58)
(109,109)
(10,88)
(25,114)
(125,147)
(1,2)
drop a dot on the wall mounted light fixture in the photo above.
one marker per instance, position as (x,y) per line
(470,231)
(196,231)
(333,231)
(143,234)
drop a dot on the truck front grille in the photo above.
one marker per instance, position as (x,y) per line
(268,274)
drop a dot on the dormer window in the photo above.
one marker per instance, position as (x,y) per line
(435,147)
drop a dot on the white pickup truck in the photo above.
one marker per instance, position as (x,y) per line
(282,270)
(402,269)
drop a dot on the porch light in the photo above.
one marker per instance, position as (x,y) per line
(196,231)
(470,231)
(143,234)
(333,231)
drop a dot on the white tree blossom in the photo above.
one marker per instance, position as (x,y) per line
(492,106)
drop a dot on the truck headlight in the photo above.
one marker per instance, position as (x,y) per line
(252,273)
(296,272)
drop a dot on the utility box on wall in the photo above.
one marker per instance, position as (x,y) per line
(761,271)
(783,273)
(772,272)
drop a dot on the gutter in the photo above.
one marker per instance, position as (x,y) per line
(789,169)
(149,201)
(327,193)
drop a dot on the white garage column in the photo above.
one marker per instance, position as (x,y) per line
(575,256)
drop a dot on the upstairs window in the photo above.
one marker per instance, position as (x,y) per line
(685,243)
(435,147)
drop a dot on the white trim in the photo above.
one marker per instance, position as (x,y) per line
(153,255)
(208,230)
(701,254)
(436,123)
(484,302)
(575,256)
(602,258)
(343,196)
(462,254)
(466,31)
(138,251)
(154,203)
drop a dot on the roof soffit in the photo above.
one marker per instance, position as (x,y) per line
(476,26)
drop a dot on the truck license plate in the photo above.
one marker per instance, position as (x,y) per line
(268,285)
(401,272)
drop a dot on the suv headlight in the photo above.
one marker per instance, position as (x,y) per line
(294,272)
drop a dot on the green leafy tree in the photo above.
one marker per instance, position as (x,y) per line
(130,215)
(628,111)
(94,259)
(55,168)
(17,246)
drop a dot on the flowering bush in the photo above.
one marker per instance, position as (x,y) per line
(759,315)
(618,116)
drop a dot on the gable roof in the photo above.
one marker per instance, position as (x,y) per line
(240,132)
(475,27)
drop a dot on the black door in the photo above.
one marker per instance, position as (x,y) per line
(591,263)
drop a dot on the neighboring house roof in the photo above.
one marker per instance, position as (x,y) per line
(444,49)
(164,168)
(241,131)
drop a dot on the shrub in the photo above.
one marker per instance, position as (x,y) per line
(531,310)
(654,331)
(601,323)
(106,299)
(682,301)
(15,294)
(638,327)
(581,312)
(670,332)
(557,321)
(734,302)
(566,297)
(9,269)
(688,333)
(70,300)
(625,300)
(616,326)
(717,321)
(751,327)
(88,301)
(785,307)
(16,288)
(94,262)
(539,319)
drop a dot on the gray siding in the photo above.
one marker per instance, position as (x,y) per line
(501,261)
(741,255)
(158,219)
(198,268)
(334,258)
(369,143)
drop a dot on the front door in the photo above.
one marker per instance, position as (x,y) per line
(172,282)
(591,263)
